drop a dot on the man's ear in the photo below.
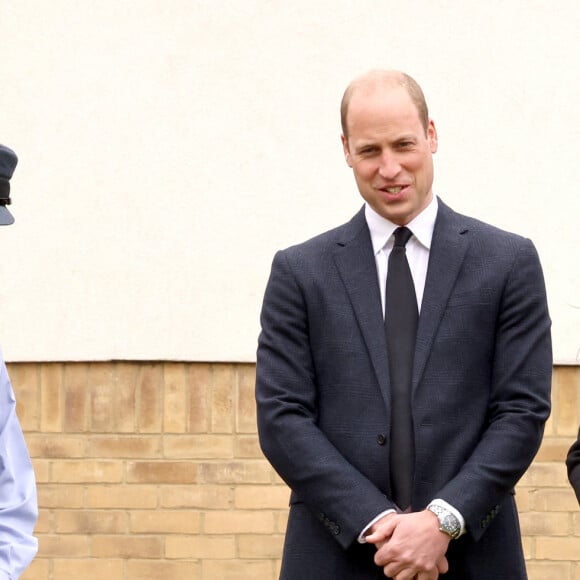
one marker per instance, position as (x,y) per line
(346,150)
(432,136)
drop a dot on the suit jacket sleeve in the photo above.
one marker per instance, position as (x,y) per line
(519,397)
(573,466)
(286,391)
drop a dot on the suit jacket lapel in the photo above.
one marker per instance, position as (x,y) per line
(356,264)
(447,253)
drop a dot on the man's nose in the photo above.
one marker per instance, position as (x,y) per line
(389,167)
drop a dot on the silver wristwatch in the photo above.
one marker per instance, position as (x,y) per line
(448,523)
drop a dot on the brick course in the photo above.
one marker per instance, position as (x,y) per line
(153,470)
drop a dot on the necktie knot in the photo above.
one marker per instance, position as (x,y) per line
(402,236)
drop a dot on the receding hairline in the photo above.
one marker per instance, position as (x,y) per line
(389,78)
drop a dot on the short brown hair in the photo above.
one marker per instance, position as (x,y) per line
(393,77)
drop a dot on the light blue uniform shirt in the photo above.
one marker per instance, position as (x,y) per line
(18,503)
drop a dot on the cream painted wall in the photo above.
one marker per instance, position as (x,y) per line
(168,148)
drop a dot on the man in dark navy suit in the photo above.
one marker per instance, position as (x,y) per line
(402,472)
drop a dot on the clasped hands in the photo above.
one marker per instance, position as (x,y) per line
(410,546)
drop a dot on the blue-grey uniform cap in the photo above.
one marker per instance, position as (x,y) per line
(8,161)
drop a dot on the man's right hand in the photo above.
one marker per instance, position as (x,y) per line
(410,546)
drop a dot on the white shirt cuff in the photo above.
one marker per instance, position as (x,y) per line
(440,502)
(361,537)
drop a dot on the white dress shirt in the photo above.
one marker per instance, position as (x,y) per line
(18,504)
(417,250)
(417,247)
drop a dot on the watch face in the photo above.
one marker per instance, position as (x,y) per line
(447,521)
(450,524)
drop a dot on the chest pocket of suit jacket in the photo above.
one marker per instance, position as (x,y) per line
(468,319)
(471,298)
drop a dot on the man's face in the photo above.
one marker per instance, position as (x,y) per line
(389,152)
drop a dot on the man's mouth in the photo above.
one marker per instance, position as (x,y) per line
(394,191)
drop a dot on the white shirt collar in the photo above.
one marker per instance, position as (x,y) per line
(382,229)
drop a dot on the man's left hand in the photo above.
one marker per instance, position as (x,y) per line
(410,546)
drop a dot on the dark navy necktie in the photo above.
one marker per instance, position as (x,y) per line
(401,318)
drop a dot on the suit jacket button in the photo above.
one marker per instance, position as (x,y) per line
(381,439)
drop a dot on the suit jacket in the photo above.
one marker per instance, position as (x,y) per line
(573,466)
(481,393)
